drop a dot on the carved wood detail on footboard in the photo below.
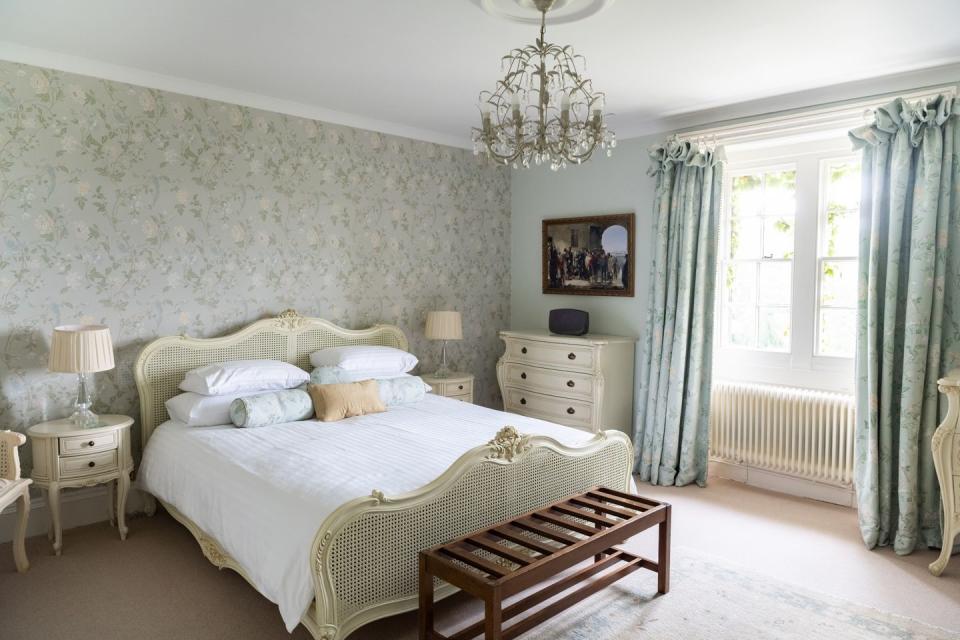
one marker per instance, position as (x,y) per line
(365,553)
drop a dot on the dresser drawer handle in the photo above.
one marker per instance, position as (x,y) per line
(460,387)
(523,376)
(570,410)
(91,464)
(90,444)
(524,350)
(571,356)
(570,383)
(523,401)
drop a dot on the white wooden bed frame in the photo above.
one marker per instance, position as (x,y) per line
(364,556)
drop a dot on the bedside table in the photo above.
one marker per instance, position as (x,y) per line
(458,386)
(65,455)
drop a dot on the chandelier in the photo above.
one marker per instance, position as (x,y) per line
(542,110)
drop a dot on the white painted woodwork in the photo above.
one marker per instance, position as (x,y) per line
(579,381)
(363,556)
(945,447)
(458,386)
(65,456)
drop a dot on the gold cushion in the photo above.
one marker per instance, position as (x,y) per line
(338,401)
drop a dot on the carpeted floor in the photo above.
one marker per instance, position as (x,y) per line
(157,585)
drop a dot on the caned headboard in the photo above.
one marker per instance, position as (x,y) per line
(289,337)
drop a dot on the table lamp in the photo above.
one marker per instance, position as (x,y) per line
(81,349)
(443,325)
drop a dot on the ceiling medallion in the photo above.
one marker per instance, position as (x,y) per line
(542,110)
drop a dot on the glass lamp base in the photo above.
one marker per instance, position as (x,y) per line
(83,418)
(442,372)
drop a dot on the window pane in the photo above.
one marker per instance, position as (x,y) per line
(838,333)
(745,237)
(778,237)
(843,184)
(775,281)
(838,283)
(842,227)
(773,333)
(841,217)
(741,326)
(742,283)
(747,197)
(779,198)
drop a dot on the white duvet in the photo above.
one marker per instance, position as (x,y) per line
(263,493)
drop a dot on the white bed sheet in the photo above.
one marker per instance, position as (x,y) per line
(263,493)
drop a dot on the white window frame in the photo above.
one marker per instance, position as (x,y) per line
(801,366)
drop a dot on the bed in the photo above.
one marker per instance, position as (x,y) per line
(326,519)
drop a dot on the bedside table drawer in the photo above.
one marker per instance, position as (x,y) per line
(93,464)
(81,445)
(451,389)
(463,398)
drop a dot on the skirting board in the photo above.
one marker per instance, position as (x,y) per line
(78,507)
(781,483)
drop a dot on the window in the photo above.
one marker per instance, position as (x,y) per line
(758,265)
(787,273)
(837,259)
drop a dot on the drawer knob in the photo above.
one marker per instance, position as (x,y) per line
(90,444)
(570,383)
(91,464)
(460,387)
(571,356)
(523,376)
(523,350)
(570,410)
(523,401)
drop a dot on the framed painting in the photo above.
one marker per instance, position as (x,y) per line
(589,255)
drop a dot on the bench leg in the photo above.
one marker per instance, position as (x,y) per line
(663,558)
(493,618)
(425,615)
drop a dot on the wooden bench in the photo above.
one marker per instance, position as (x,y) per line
(512,556)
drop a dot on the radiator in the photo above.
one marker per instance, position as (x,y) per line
(796,432)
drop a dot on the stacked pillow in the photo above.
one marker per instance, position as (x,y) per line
(211,389)
(256,393)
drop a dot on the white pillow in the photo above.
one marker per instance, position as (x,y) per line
(372,360)
(196,410)
(239,376)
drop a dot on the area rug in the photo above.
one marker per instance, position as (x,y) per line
(710,599)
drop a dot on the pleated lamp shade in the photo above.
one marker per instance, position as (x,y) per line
(444,325)
(81,348)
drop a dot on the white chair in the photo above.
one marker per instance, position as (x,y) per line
(13,488)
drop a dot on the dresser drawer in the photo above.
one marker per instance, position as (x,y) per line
(567,384)
(80,445)
(550,354)
(573,413)
(88,465)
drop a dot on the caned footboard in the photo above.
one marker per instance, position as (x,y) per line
(365,555)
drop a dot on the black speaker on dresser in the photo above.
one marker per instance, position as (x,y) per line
(569,322)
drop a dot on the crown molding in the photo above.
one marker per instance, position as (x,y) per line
(947,73)
(13,52)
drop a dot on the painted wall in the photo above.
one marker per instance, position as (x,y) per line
(617,184)
(156,213)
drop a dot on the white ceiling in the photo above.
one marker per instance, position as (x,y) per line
(415,67)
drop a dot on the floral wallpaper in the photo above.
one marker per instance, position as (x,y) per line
(156,214)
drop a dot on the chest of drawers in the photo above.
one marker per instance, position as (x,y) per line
(578,381)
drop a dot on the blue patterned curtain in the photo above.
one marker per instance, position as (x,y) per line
(671,432)
(908,329)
